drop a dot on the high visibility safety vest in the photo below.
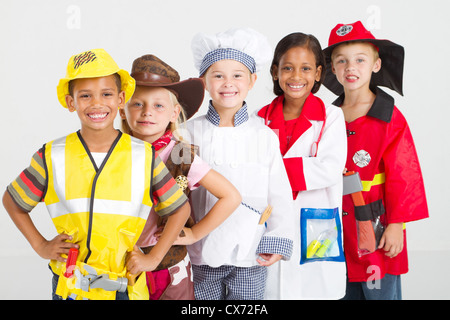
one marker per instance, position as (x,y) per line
(103,208)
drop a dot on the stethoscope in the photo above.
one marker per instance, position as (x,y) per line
(315,145)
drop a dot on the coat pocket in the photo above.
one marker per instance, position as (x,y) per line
(320,235)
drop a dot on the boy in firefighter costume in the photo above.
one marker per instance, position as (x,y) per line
(230,263)
(98,185)
(382,151)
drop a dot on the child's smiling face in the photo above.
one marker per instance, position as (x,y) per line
(149,112)
(96,101)
(297,72)
(228,83)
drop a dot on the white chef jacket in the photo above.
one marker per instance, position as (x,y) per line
(248,156)
(323,178)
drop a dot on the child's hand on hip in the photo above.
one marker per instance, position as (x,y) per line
(54,248)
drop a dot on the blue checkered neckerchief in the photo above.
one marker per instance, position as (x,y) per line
(240,117)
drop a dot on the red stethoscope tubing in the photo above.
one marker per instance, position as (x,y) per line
(315,145)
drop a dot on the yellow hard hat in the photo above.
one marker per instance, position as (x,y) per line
(93,64)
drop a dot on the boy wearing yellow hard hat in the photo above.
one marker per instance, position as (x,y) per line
(98,185)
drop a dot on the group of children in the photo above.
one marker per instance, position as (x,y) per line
(228,205)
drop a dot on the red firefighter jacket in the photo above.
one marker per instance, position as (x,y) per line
(381,149)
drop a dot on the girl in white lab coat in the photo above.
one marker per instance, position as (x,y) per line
(313,145)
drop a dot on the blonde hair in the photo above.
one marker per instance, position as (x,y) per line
(172,126)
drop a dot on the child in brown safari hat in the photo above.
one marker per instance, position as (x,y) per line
(159,104)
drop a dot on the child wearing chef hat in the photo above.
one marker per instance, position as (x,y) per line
(231,262)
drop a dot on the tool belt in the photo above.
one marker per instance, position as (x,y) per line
(88,282)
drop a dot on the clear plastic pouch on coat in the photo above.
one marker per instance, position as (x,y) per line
(320,235)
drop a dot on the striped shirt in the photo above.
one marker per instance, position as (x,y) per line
(28,189)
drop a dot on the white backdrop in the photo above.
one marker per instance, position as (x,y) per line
(38,37)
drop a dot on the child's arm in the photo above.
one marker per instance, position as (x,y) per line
(46,249)
(138,262)
(405,198)
(277,240)
(324,170)
(392,239)
(229,199)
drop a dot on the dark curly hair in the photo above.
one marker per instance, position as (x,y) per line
(298,39)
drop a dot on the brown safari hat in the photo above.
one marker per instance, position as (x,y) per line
(150,71)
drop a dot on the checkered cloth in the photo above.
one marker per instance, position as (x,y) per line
(229,282)
(240,117)
(227,54)
(276,245)
(245,45)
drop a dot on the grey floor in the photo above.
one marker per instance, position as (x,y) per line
(28,278)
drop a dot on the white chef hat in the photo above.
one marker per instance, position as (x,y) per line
(245,45)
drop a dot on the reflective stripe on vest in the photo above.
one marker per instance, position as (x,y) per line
(104,209)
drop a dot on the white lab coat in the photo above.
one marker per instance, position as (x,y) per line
(248,156)
(323,177)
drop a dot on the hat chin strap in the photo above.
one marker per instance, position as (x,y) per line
(150,78)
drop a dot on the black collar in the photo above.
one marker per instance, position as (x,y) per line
(382,108)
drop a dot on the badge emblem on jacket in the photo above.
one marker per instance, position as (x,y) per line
(361,158)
